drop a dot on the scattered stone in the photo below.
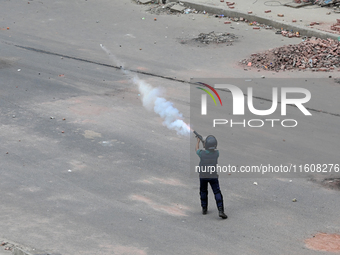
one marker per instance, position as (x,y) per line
(294,200)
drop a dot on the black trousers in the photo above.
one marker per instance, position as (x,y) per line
(216,189)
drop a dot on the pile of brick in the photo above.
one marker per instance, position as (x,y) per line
(313,54)
(336,26)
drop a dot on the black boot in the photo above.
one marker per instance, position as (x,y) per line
(204,210)
(221,213)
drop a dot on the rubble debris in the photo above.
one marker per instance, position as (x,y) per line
(171,8)
(312,54)
(322,3)
(213,37)
(336,26)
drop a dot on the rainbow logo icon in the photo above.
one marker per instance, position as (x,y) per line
(209,93)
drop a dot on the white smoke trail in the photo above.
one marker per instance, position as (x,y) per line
(152,100)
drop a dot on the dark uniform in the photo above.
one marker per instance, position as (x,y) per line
(209,161)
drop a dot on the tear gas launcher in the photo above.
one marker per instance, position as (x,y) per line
(198,136)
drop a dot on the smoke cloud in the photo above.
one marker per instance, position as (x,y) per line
(153,101)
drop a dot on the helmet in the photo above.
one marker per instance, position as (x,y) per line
(210,143)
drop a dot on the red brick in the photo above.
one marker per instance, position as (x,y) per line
(267,11)
(256,27)
(227,22)
(250,12)
(323,69)
(280,15)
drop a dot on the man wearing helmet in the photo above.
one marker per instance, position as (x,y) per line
(209,158)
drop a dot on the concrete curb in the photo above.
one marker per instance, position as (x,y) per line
(304,31)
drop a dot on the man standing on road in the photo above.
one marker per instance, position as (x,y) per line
(209,158)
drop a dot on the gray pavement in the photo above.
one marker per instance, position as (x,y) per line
(86,169)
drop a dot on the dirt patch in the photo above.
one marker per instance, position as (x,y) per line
(324,242)
(331,183)
(215,38)
(5,62)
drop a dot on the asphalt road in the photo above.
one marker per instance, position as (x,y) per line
(86,169)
